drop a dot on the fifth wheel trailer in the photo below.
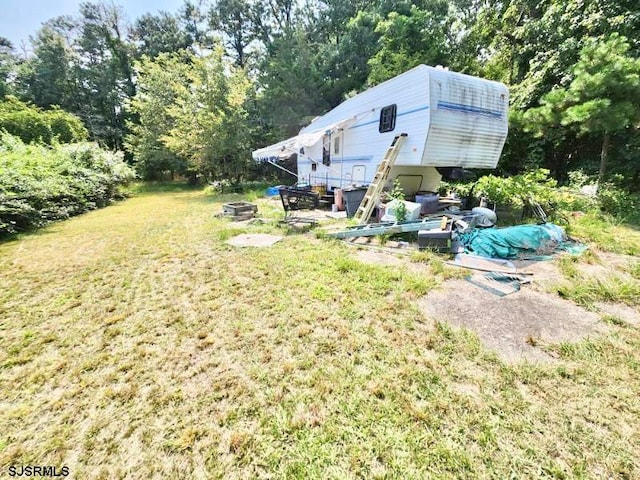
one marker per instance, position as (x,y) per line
(451,120)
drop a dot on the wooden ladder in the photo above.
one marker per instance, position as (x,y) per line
(375,187)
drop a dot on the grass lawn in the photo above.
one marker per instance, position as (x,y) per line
(135,343)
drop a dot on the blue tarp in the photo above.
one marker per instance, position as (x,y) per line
(514,242)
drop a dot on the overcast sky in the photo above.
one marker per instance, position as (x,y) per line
(21,18)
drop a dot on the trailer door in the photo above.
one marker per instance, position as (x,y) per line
(358,174)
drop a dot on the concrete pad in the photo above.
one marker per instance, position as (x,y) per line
(513,326)
(254,240)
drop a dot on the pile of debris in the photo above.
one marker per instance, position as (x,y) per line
(478,244)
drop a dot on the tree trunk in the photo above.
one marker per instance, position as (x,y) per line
(603,157)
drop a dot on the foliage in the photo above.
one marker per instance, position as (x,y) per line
(83,64)
(209,117)
(7,65)
(39,184)
(616,201)
(410,38)
(161,33)
(602,99)
(32,124)
(569,69)
(400,209)
(158,82)
(518,189)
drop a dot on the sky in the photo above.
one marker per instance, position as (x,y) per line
(21,18)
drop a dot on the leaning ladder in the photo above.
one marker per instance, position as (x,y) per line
(375,187)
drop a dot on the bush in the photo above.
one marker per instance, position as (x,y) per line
(31,124)
(518,190)
(39,184)
(618,202)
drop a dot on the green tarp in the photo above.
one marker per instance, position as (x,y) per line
(514,242)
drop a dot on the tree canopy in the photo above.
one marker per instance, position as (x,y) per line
(199,88)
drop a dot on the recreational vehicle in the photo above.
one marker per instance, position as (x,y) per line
(451,120)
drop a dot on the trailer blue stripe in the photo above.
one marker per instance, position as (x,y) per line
(425,107)
(459,107)
(338,159)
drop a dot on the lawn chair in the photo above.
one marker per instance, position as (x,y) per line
(296,199)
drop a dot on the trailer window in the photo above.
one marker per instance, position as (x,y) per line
(326,150)
(388,118)
(336,145)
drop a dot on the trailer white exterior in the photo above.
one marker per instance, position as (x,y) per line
(451,119)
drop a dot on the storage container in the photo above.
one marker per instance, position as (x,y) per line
(428,201)
(352,198)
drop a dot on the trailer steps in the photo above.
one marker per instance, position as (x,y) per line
(375,187)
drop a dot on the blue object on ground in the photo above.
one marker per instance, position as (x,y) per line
(273,191)
(514,242)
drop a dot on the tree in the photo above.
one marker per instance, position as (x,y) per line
(105,71)
(193,15)
(210,119)
(159,80)
(234,19)
(33,124)
(48,78)
(602,98)
(7,64)
(409,39)
(292,79)
(161,33)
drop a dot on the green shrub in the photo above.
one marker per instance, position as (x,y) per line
(616,201)
(32,124)
(518,189)
(65,127)
(39,183)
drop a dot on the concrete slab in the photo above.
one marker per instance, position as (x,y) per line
(254,240)
(513,326)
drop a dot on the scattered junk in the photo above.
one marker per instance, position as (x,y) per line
(475,262)
(239,211)
(500,284)
(485,216)
(411,210)
(439,238)
(254,240)
(351,199)
(386,228)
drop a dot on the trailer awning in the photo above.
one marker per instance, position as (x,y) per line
(305,139)
(276,151)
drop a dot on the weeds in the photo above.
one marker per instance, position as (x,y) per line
(606,233)
(612,289)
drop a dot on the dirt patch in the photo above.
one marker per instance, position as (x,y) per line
(389,259)
(254,240)
(545,272)
(514,326)
(375,257)
(623,312)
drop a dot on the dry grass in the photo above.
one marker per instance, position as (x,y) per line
(135,343)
